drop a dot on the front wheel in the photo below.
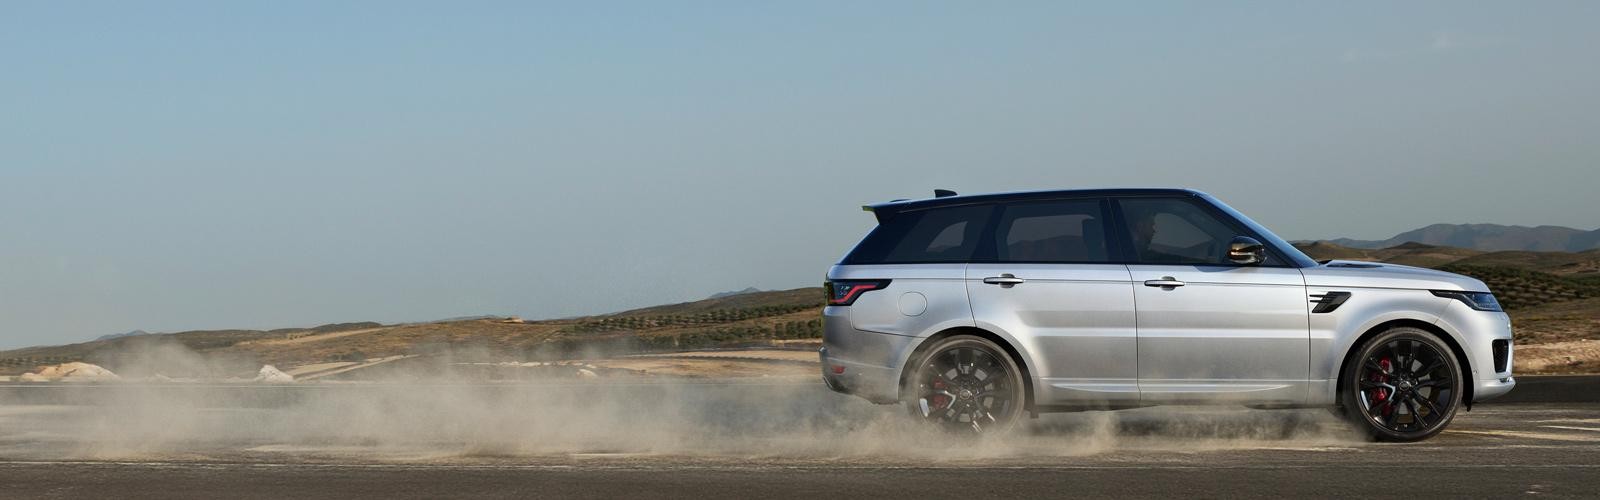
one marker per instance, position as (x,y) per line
(966,384)
(1403,385)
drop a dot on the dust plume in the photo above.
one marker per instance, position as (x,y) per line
(431,412)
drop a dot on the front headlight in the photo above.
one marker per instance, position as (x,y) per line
(1482,301)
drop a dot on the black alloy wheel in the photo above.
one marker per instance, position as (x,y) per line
(966,384)
(1403,385)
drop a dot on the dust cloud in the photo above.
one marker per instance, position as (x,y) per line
(440,414)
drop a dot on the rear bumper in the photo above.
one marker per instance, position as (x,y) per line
(877,384)
(861,363)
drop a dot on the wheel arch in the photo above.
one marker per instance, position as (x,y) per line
(1444,336)
(1010,348)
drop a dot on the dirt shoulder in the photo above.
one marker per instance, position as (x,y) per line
(719,364)
(1575,357)
(1560,338)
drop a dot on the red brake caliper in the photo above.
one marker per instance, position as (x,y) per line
(939,400)
(1381,395)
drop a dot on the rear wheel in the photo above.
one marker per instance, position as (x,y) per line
(1403,385)
(966,384)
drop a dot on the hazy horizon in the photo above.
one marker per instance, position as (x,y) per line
(171,166)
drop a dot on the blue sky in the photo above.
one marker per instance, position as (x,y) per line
(180,165)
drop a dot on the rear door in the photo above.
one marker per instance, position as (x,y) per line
(1208,328)
(1047,280)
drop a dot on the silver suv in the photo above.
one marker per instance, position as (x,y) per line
(973,310)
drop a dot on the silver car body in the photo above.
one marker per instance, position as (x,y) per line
(1095,335)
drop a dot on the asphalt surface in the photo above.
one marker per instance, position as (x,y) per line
(741,440)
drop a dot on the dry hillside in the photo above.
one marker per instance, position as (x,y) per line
(755,319)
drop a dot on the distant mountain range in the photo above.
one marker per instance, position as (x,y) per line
(134,333)
(747,290)
(1489,238)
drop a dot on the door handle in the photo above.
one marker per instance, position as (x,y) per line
(1005,280)
(1166,283)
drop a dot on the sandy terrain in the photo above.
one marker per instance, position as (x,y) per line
(314,338)
(703,368)
(717,364)
(1557,338)
(303,370)
(1578,356)
(807,356)
(312,372)
(70,372)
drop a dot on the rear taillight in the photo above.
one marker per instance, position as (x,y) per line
(845,292)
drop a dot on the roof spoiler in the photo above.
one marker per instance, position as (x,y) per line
(885,214)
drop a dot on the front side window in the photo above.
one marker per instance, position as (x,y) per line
(1177,231)
(1052,232)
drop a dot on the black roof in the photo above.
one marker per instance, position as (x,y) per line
(884,210)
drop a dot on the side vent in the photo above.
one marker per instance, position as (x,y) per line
(1327,302)
(1502,354)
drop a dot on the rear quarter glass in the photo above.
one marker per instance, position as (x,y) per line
(949,234)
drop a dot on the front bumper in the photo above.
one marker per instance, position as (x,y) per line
(1489,389)
(1490,370)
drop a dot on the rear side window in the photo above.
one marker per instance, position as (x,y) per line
(924,236)
(1052,232)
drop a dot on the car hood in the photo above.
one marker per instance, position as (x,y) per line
(1350,273)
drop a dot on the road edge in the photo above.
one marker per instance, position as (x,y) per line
(1552,389)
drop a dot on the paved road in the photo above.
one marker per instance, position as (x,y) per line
(743,441)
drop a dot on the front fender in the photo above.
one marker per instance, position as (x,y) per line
(1335,334)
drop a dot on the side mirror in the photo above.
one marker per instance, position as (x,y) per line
(1245,251)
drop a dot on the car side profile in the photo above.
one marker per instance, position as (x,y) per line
(976,310)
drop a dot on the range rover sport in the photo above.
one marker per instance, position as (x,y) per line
(974,311)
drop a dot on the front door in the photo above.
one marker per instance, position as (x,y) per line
(1049,283)
(1208,328)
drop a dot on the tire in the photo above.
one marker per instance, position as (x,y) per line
(966,384)
(1403,385)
